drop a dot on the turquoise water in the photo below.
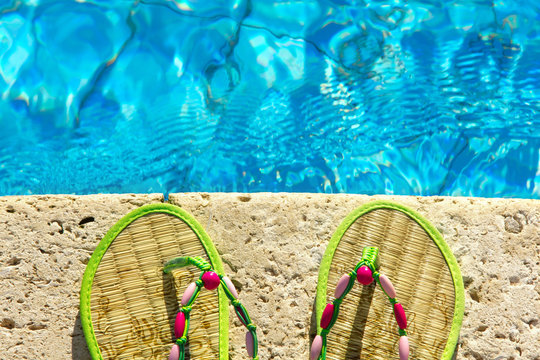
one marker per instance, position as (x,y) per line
(395,97)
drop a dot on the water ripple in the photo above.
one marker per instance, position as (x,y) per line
(350,96)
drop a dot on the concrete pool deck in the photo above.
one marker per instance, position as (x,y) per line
(272,244)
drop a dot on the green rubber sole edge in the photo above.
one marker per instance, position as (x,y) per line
(91,268)
(459,307)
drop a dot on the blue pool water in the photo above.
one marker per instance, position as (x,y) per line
(396,97)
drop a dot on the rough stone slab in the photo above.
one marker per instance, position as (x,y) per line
(45,244)
(272,244)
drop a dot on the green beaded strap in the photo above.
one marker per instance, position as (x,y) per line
(365,272)
(210,280)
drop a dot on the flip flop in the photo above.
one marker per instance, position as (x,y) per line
(387,244)
(138,292)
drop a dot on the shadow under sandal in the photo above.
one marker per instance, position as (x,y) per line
(389,236)
(130,301)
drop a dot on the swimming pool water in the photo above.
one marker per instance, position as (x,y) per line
(395,97)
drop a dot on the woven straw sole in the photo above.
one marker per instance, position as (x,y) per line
(423,270)
(128,305)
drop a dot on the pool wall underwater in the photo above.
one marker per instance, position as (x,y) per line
(371,97)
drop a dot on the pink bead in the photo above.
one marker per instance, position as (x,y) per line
(403,348)
(250,344)
(179,325)
(327,314)
(341,286)
(188,294)
(210,280)
(316,348)
(399,314)
(230,286)
(387,286)
(364,275)
(175,352)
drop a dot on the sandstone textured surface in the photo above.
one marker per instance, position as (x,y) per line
(271,245)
